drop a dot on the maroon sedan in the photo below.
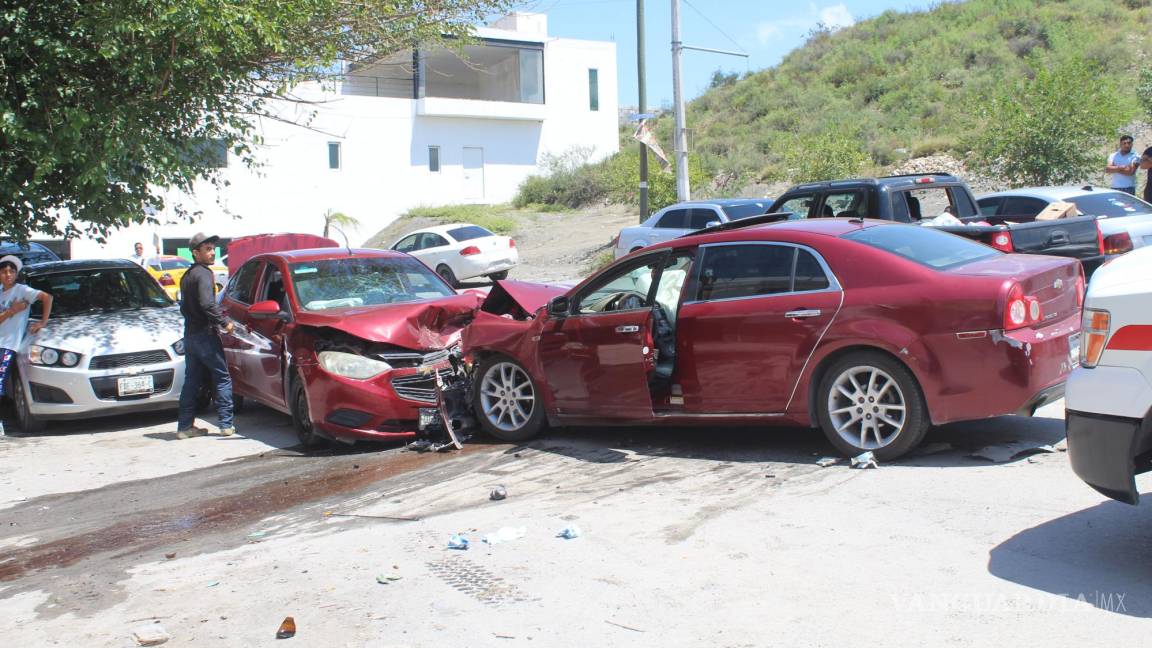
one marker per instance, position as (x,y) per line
(871,330)
(346,341)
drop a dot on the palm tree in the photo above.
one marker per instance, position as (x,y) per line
(339,219)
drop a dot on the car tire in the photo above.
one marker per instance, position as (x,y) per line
(27,421)
(501,381)
(302,417)
(446,274)
(498,276)
(864,381)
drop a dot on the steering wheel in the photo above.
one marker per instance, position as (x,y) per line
(630,301)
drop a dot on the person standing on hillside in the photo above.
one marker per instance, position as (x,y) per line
(1122,165)
(203,353)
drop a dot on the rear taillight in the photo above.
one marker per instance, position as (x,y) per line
(470,250)
(1002,241)
(1080,289)
(1021,310)
(1117,243)
(166,280)
(511,243)
(1095,331)
(1099,237)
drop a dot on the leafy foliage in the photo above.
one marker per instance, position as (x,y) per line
(490,217)
(104,102)
(1049,128)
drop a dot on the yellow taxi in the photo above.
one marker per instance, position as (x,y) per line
(168,269)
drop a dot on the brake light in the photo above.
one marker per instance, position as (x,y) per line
(511,243)
(1100,237)
(166,280)
(923,180)
(1021,310)
(1003,241)
(1080,289)
(470,250)
(1094,328)
(1117,243)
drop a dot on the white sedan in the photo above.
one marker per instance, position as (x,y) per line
(461,251)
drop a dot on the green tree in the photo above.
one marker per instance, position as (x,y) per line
(339,219)
(825,156)
(105,102)
(1049,129)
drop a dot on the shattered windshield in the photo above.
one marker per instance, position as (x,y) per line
(349,282)
(95,291)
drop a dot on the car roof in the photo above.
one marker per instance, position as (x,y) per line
(82,264)
(909,179)
(441,229)
(754,231)
(324,254)
(1050,193)
(719,202)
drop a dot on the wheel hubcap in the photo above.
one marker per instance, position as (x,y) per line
(867,407)
(506,396)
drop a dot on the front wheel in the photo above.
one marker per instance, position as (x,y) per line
(869,402)
(27,421)
(507,400)
(302,417)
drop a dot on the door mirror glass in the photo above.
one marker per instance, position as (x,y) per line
(559,306)
(712,223)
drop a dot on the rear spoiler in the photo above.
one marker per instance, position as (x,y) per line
(762,219)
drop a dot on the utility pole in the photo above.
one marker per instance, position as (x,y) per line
(683,191)
(642,108)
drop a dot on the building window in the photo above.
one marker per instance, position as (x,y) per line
(490,70)
(333,155)
(593,89)
(434,159)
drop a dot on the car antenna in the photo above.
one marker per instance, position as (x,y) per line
(346,246)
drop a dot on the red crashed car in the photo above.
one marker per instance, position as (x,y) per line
(346,341)
(869,329)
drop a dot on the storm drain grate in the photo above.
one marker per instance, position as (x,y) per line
(465,576)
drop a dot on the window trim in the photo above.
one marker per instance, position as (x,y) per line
(435,149)
(834,284)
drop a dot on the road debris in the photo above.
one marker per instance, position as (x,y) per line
(569,532)
(256,535)
(213,583)
(498,493)
(170,556)
(457,541)
(372,517)
(152,634)
(621,625)
(824,462)
(1010,451)
(864,460)
(506,534)
(287,629)
(387,580)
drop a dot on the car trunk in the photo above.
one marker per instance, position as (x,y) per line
(1053,281)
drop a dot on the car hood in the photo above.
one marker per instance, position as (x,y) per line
(426,325)
(123,331)
(529,296)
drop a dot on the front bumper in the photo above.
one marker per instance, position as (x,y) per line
(1107,452)
(384,408)
(92,392)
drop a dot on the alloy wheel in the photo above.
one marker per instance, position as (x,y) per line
(867,407)
(507,397)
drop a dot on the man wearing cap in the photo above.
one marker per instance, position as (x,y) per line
(203,352)
(14,302)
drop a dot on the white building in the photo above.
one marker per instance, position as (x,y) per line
(419,128)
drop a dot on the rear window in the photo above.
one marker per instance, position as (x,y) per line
(736,212)
(469,232)
(1112,204)
(924,245)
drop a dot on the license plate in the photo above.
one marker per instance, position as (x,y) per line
(429,417)
(134,385)
(1074,349)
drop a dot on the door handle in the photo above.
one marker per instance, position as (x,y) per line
(801,314)
(628,329)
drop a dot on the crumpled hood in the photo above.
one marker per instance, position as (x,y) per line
(125,331)
(529,296)
(426,325)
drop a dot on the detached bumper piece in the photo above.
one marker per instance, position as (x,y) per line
(1107,452)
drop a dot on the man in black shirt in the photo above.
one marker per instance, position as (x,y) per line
(203,353)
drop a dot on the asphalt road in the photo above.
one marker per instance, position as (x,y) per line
(718,537)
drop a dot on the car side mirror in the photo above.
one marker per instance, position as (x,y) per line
(559,307)
(711,224)
(267,309)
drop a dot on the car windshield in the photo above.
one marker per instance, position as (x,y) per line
(169,264)
(924,245)
(736,212)
(469,232)
(1112,204)
(349,282)
(81,292)
(30,254)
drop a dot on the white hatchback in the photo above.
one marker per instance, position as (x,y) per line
(461,251)
(1109,397)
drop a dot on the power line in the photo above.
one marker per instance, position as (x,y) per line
(716,27)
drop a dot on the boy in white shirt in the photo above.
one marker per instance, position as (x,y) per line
(14,302)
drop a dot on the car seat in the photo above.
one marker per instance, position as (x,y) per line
(914,208)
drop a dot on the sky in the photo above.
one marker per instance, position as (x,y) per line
(766,30)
